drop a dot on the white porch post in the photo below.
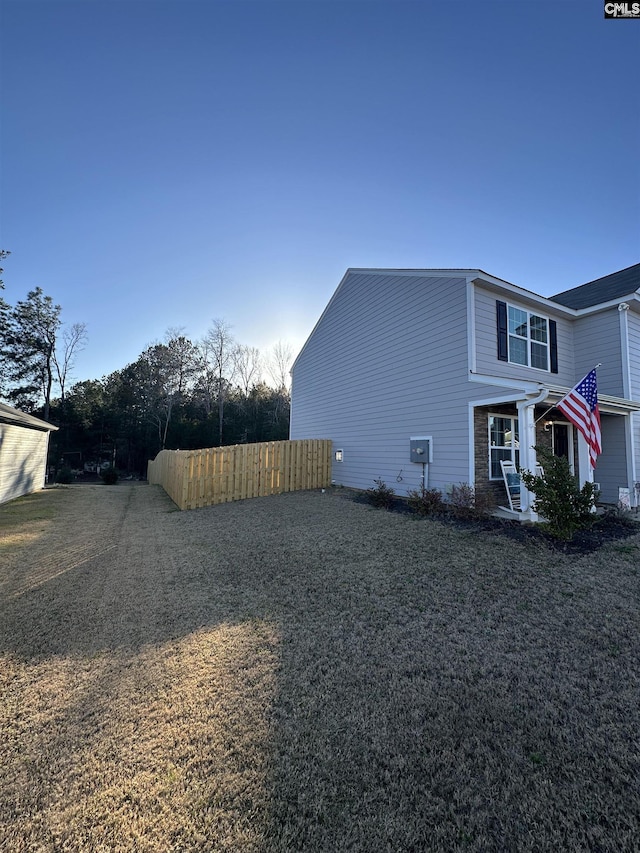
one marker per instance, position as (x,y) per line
(631,459)
(526,424)
(528,457)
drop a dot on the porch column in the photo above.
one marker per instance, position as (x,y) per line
(528,457)
(526,423)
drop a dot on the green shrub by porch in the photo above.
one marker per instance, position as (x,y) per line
(559,499)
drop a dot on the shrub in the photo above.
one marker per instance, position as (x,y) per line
(559,499)
(619,515)
(462,501)
(381,496)
(425,501)
(109,476)
(64,476)
(465,502)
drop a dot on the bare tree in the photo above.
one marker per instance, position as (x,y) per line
(248,365)
(217,351)
(73,340)
(279,365)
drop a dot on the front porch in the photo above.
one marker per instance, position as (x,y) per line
(497,438)
(509,430)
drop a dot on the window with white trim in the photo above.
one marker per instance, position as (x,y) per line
(504,443)
(528,336)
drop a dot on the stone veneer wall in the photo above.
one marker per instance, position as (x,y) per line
(493,491)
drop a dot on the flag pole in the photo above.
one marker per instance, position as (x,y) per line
(599,364)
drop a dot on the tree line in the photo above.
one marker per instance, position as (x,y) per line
(178,394)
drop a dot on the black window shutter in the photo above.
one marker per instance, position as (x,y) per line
(501,318)
(553,348)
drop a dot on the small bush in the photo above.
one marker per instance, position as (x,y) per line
(425,501)
(109,476)
(465,502)
(559,499)
(619,515)
(462,501)
(64,476)
(381,496)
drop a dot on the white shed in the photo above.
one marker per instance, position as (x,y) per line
(24,441)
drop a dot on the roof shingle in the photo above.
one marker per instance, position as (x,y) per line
(613,286)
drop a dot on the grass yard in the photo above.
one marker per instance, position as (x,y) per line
(306,673)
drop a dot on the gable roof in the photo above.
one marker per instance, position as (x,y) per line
(605,289)
(8,415)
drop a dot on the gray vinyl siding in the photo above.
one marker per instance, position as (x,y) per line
(487,361)
(388,360)
(634,354)
(611,468)
(597,341)
(23,458)
(634,375)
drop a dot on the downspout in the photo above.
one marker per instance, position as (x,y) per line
(528,460)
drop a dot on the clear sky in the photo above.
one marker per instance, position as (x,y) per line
(167,163)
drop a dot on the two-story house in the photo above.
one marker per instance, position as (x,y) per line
(435,376)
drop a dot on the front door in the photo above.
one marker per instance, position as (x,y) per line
(562,441)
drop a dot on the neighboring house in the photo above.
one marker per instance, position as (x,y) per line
(24,441)
(471,367)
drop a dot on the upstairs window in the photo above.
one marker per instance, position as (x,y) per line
(527,339)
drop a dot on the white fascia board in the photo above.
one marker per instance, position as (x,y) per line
(616,406)
(417,273)
(498,400)
(606,402)
(14,417)
(500,381)
(631,299)
(558,307)
(529,295)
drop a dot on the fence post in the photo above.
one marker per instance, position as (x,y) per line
(184,469)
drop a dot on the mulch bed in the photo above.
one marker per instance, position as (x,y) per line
(609,526)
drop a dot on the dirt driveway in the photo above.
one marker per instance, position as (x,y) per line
(304,673)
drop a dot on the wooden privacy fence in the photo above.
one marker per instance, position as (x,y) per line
(196,478)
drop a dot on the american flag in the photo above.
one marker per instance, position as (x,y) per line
(580,406)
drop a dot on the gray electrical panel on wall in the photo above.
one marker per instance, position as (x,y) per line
(420,450)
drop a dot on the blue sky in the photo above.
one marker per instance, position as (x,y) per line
(167,163)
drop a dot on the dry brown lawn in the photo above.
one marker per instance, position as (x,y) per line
(305,673)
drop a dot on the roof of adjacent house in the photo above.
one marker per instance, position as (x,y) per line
(605,289)
(9,415)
